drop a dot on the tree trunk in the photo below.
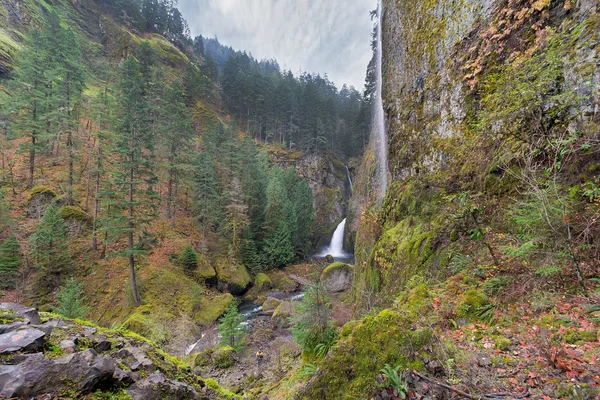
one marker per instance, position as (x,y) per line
(70,146)
(96,200)
(134,290)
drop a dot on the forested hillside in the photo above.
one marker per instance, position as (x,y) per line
(141,171)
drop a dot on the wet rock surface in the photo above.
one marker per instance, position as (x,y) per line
(44,357)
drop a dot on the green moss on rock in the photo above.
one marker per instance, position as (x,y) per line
(210,309)
(351,368)
(283,312)
(337,277)
(75,214)
(224,357)
(204,358)
(262,282)
(205,271)
(233,277)
(271,304)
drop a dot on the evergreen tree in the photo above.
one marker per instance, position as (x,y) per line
(188,259)
(5,220)
(231,329)
(67,75)
(312,324)
(206,201)
(237,215)
(49,250)
(133,201)
(28,103)
(70,300)
(305,218)
(278,246)
(177,134)
(10,262)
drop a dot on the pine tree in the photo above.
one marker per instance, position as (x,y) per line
(28,103)
(177,134)
(10,262)
(312,325)
(132,202)
(278,246)
(5,219)
(188,259)
(206,201)
(70,300)
(231,329)
(49,250)
(237,215)
(305,218)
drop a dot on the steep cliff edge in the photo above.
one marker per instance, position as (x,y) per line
(488,236)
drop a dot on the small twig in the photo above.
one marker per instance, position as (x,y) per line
(467,395)
(453,389)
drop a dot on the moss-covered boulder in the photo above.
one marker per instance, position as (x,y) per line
(351,367)
(263,282)
(232,277)
(286,285)
(271,304)
(337,277)
(38,201)
(205,271)
(210,309)
(224,357)
(204,358)
(283,312)
(77,221)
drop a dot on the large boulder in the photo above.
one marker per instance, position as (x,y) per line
(25,340)
(271,304)
(37,375)
(262,282)
(281,315)
(29,315)
(158,387)
(233,278)
(337,277)
(224,357)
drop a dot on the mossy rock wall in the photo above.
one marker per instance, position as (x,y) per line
(233,277)
(349,371)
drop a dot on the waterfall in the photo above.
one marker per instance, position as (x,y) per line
(379,117)
(336,247)
(349,180)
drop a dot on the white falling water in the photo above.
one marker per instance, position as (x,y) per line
(349,180)
(379,117)
(336,247)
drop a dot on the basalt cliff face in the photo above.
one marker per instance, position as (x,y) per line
(493,113)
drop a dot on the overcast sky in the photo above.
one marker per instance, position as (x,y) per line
(326,36)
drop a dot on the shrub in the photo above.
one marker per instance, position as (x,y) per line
(188,259)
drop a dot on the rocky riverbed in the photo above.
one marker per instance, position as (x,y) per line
(44,356)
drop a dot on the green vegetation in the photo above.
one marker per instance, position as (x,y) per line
(70,301)
(231,329)
(11,260)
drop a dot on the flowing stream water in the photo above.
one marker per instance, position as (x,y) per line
(378,113)
(336,247)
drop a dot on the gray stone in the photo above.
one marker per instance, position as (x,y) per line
(35,377)
(125,378)
(27,340)
(57,323)
(11,327)
(337,277)
(157,387)
(29,315)
(68,346)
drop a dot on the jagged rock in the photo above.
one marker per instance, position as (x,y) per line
(125,378)
(11,327)
(89,331)
(68,346)
(157,387)
(136,359)
(337,277)
(36,376)
(47,329)
(27,340)
(29,315)
(58,323)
